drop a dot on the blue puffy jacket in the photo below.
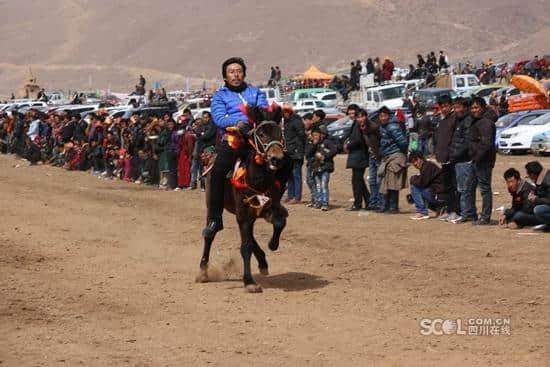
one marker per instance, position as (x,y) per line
(226,105)
(392,139)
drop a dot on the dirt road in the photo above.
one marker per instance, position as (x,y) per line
(101,273)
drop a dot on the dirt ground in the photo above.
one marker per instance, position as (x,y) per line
(101,273)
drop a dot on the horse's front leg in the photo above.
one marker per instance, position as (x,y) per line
(278,220)
(247,245)
(203,274)
(279,223)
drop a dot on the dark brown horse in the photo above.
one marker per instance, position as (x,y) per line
(255,194)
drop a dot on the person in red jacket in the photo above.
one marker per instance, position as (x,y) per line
(387,69)
(187,142)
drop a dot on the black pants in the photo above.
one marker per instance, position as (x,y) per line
(360,192)
(448,176)
(225,161)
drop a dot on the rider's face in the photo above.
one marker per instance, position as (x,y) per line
(234,75)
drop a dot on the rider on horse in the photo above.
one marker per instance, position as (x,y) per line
(227,112)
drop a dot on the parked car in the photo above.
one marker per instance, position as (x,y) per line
(541,143)
(57,98)
(465,84)
(306,93)
(428,97)
(485,91)
(330,99)
(149,111)
(509,91)
(304,106)
(272,95)
(516,119)
(518,139)
(390,95)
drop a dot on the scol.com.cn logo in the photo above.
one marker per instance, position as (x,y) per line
(470,327)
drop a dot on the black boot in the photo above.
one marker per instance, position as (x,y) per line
(393,199)
(386,206)
(214,226)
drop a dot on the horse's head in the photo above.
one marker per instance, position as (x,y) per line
(267,135)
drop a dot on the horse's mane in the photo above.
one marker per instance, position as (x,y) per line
(257,115)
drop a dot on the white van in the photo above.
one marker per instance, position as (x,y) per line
(272,95)
(463,84)
(390,95)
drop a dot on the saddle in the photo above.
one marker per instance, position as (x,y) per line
(259,201)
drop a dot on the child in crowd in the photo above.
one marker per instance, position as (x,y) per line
(320,151)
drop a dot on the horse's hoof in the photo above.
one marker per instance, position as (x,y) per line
(253,288)
(264,271)
(202,277)
(273,246)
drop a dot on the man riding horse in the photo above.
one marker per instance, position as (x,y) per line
(226,108)
(250,131)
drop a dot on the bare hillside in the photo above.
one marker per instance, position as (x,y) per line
(102,43)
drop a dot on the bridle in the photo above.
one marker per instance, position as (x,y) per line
(257,143)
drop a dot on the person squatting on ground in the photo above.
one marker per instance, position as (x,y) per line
(521,213)
(427,188)
(540,197)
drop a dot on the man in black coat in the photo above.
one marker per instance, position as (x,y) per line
(482,151)
(358,161)
(460,158)
(442,140)
(295,141)
(521,213)
(67,131)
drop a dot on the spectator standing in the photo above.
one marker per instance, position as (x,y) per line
(460,158)
(295,140)
(371,135)
(442,140)
(358,161)
(321,151)
(186,143)
(393,166)
(481,148)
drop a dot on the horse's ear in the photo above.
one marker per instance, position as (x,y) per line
(254,114)
(277,112)
(273,113)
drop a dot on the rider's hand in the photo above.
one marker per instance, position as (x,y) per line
(241,125)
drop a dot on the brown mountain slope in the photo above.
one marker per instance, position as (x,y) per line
(98,43)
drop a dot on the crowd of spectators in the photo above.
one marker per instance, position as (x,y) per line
(148,150)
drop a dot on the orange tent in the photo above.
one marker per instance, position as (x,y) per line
(315,74)
(528,85)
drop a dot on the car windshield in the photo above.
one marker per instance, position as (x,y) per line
(392,93)
(427,98)
(506,120)
(542,120)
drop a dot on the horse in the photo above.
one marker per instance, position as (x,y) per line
(255,193)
